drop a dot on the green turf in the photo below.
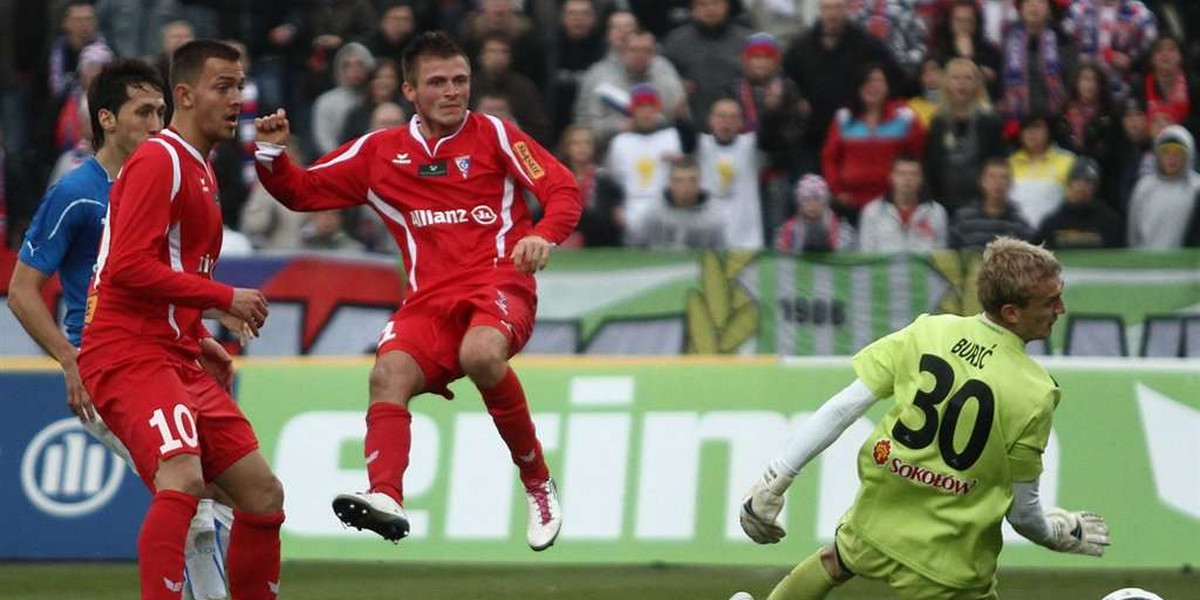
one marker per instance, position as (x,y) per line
(379,581)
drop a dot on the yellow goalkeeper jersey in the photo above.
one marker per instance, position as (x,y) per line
(971,416)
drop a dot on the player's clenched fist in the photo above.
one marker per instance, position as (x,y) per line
(273,128)
(531,254)
(249,305)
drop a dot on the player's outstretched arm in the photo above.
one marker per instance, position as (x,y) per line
(25,301)
(337,180)
(1057,529)
(764,501)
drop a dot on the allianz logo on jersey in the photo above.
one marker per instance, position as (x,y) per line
(423,217)
(65,472)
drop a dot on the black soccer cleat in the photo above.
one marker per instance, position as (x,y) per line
(374,511)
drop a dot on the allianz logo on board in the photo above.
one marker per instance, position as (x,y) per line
(65,472)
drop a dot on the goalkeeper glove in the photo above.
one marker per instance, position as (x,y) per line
(762,505)
(1077,532)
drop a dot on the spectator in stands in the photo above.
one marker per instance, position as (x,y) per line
(1115,33)
(1166,88)
(1082,221)
(729,172)
(620,26)
(661,17)
(601,223)
(491,103)
(639,159)
(896,24)
(901,220)
(396,28)
(1088,126)
(1131,157)
(1164,202)
(993,215)
(323,231)
(819,63)
(815,227)
(1036,58)
(331,109)
(386,116)
(579,45)
(603,104)
(501,17)
(329,25)
(493,76)
(685,217)
(781,19)
(71,126)
(962,37)
(78,152)
(926,104)
(273,33)
(999,16)
(78,30)
(864,141)
(173,35)
(134,27)
(268,223)
(964,133)
(771,107)
(1039,169)
(706,52)
(383,87)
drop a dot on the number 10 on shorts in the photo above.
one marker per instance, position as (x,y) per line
(185,429)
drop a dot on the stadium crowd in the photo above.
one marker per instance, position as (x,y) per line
(799,125)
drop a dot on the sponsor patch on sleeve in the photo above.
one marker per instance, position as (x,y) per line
(531,164)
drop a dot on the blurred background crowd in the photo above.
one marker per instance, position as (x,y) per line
(798,125)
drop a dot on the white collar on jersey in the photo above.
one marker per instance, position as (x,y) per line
(414,129)
(190,148)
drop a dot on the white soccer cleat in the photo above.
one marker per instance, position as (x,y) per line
(545,515)
(741,596)
(372,510)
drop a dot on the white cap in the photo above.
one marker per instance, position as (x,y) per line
(1132,594)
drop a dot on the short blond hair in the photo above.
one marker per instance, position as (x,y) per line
(1011,270)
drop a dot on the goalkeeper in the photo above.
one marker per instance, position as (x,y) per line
(960,449)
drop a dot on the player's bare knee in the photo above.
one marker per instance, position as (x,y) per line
(267,497)
(180,473)
(387,384)
(482,360)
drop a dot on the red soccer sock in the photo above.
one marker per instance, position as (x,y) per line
(253,559)
(510,411)
(389,440)
(160,544)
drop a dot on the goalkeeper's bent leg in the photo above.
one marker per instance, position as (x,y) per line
(810,580)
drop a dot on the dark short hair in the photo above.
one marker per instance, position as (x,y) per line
(906,157)
(995,161)
(436,44)
(187,63)
(110,90)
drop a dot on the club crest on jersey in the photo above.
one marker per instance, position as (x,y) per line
(437,169)
(531,164)
(883,449)
(464,165)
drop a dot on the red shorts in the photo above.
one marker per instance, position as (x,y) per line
(431,329)
(160,407)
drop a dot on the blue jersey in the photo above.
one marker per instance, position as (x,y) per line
(65,236)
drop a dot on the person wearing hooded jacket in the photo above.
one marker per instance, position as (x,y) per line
(1164,202)
(350,68)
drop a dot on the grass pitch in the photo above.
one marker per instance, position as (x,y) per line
(403,581)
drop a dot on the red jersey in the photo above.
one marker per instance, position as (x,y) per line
(454,205)
(154,270)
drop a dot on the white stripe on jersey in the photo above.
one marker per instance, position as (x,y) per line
(173,241)
(387,211)
(350,152)
(66,210)
(506,201)
(414,129)
(102,254)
